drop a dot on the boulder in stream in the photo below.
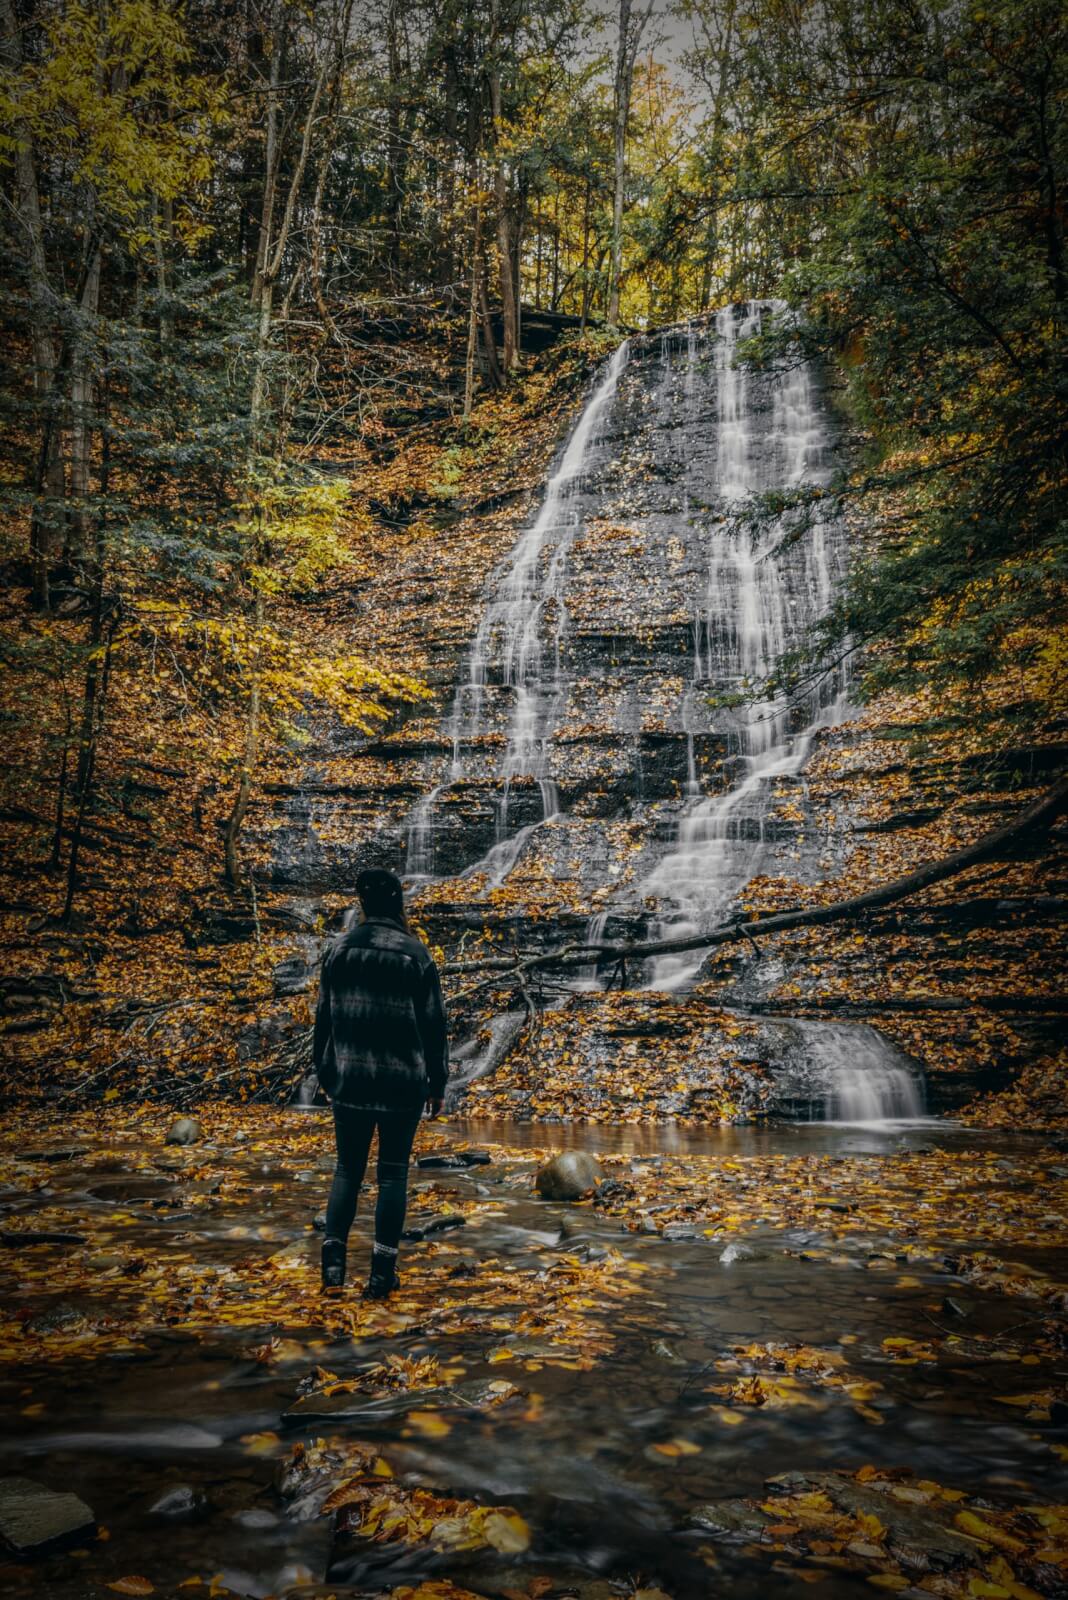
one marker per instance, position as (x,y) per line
(186,1130)
(179,1502)
(734,1252)
(568,1176)
(35,1519)
(918,1536)
(428,1226)
(454,1159)
(729,1520)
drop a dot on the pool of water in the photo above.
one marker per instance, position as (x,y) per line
(605,1464)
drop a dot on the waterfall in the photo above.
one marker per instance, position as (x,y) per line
(519,642)
(587,978)
(858,1076)
(306,1091)
(758,601)
(419,860)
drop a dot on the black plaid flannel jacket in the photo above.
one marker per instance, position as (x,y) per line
(380,1039)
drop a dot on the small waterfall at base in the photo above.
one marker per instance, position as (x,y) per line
(857,1075)
(588,980)
(306,1091)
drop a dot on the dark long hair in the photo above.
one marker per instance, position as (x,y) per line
(381,894)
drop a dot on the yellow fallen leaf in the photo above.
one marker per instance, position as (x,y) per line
(429,1424)
(976,1528)
(135,1586)
(507,1532)
(678,1447)
(259,1444)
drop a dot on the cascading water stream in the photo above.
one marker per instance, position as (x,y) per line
(519,644)
(855,1075)
(758,602)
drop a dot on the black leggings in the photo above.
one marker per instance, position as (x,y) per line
(355,1130)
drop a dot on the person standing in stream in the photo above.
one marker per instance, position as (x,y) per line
(381,1053)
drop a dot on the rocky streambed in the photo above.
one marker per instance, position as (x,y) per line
(592,1398)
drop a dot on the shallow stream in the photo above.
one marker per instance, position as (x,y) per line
(616,1437)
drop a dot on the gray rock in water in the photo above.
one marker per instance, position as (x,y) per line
(256,1518)
(569,1583)
(729,1519)
(916,1536)
(186,1130)
(428,1226)
(663,1352)
(735,1252)
(180,1502)
(35,1519)
(455,1159)
(568,1176)
(61,1318)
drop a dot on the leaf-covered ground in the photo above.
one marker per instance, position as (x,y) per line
(591,1400)
(164,977)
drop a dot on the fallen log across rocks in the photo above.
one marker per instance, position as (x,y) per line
(1040,815)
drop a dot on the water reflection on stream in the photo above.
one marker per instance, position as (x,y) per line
(588,1475)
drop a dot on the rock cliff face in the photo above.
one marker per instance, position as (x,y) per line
(593,691)
(597,754)
(591,762)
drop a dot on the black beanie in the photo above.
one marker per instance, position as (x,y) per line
(381,892)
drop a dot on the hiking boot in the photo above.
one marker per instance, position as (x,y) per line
(333,1260)
(383,1276)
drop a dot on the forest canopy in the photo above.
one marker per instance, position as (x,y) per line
(247,246)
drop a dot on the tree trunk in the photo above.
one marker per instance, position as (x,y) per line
(492,365)
(45,520)
(620,111)
(585,256)
(631,28)
(97,678)
(80,523)
(162,222)
(239,809)
(396,153)
(505,230)
(270,173)
(270,260)
(472,311)
(504,255)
